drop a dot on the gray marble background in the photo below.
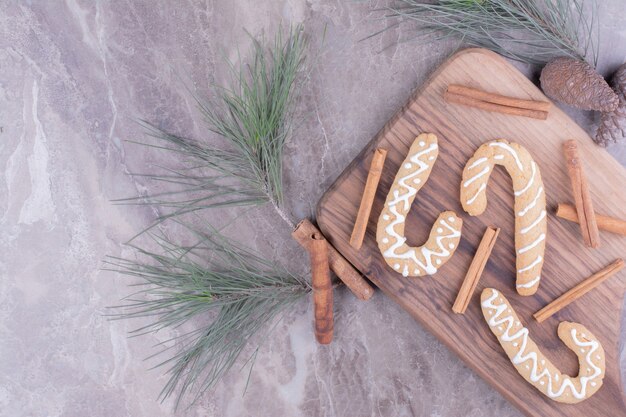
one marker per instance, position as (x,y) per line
(74,77)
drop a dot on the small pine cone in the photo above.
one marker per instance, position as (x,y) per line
(613,124)
(576,83)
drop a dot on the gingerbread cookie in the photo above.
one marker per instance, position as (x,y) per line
(533,365)
(530,204)
(445,233)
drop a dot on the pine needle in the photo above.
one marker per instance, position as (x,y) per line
(253,116)
(531,31)
(215,276)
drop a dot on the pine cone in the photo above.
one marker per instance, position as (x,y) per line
(613,124)
(576,83)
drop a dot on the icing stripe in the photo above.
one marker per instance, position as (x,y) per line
(532,203)
(530,181)
(532,265)
(535,223)
(530,283)
(477,162)
(511,151)
(475,177)
(475,196)
(532,245)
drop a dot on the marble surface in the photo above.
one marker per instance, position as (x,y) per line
(74,78)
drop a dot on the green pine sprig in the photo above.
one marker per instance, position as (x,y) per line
(531,31)
(234,293)
(253,116)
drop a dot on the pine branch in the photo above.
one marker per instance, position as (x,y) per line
(531,31)
(246,292)
(254,119)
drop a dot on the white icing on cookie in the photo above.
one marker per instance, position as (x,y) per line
(528,355)
(532,244)
(511,151)
(425,252)
(482,188)
(415,260)
(534,223)
(477,162)
(534,263)
(530,283)
(475,177)
(530,182)
(411,191)
(530,203)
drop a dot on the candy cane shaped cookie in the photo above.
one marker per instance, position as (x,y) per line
(533,365)
(445,233)
(530,204)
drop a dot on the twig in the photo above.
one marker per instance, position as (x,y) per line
(282,214)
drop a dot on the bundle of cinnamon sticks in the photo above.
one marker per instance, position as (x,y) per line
(472,97)
(606,223)
(582,197)
(303,234)
(324,257)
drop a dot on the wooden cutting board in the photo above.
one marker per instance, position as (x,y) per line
(429,299)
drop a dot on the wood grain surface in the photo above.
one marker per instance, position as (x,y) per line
(567,261)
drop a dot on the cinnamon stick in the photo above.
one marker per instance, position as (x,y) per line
(610,224)
(322,289)
(492,107)
(475,270)
(582,198)
(367,200)
(338,264)
(462,90)
(579,290)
